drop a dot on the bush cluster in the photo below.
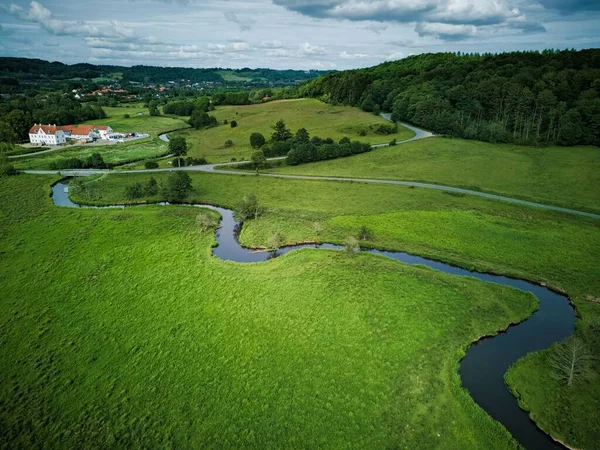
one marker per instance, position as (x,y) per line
(94,161)
(138,190)
(309,152)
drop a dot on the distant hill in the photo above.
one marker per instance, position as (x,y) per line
(37,69)
(522,97)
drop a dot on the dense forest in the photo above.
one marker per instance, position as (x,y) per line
(33,69)
(521,97)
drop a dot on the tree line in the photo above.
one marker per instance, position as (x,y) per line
(549,97)
(300,148)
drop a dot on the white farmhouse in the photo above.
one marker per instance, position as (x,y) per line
(46,135)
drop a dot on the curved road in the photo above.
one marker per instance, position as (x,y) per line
(419,134)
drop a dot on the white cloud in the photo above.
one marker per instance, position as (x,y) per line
(271,44)
(232,47)
(309,49)
(346,55)
(37,13)
(446,31)
(473,13)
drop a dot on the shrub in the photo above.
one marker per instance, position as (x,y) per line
(225,122)
(133,191)
(257,140)
(278,148)
(385,128)
(151,187)
(275,241)
(233,124)
(393,142)
(95,161)
(151,165)
(68,163)
(362,132)
(228,143)
(248,208)
(351,246)
(126,116)
(189,161)
(206,221)
(6,169)
(365,234)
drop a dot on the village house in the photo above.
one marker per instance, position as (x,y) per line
(46,135)
(53,135)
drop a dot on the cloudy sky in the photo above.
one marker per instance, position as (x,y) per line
(298,34)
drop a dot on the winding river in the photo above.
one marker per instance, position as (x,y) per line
(486,361)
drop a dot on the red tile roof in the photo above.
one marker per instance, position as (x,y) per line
(78,130)
(48,129)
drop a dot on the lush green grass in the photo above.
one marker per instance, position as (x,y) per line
(564,176)
(119,153)
(571,413)
(119,330)
(152,125)
(318,118)
(531,243)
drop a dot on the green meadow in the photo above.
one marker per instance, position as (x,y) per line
(118,153)
(320,119)
(120,330)
(543,246)
(557,175)
(153,125)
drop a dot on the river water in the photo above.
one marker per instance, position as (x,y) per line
(486,361)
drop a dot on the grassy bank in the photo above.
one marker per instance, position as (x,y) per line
(120,330)
(318,118)
(563,176)
(114,154)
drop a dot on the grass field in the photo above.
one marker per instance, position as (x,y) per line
(318,118)
(548,247)
(112,154)
(120,330)
(153,125)
(563,176)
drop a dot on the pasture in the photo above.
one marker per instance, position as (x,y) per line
(320,119)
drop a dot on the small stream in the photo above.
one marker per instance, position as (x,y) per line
(486,361)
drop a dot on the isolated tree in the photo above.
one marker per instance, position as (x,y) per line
(571,361)
(258,160)
(257,140)
(153,108)
(317,228)
(280,132)
(365,234)
(177,187)
(248,208)
(275,241)
(233,123)
(351,246)
(178,146)
(228,143)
